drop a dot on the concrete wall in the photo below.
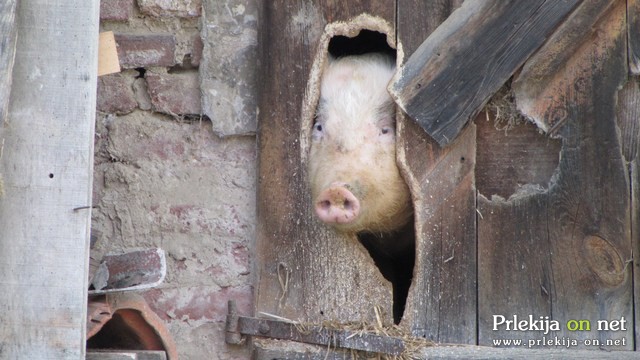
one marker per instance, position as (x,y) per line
(175,158)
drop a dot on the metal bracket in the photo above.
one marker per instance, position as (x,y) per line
(237,327)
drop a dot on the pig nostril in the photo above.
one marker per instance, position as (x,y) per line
(347,205)
(325,204)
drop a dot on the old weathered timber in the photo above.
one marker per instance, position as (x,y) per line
(532,83)
(464,62)
(512,158)
(287,350)
(307,272)
(7,53)
(442,301)
(628,116)
(633,34)
(562,253)
(239,327)
(47,163)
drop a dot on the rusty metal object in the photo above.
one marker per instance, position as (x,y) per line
(239,326)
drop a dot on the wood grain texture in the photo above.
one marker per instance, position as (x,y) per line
(628,116)
(511,160)
(464,62)
(7,53)
(442,300)
(556,56)
(633,34)
(563,252)
(47,167)
(306,271)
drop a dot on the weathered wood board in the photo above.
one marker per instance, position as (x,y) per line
(450,77)
(562,252)
(558,53)
(306,271)
(442,301)
(557,242)
(512,158)
(7,53)
(47,163)
(628,116)
(633,34)
(286,350)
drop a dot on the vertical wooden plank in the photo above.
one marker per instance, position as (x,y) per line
(561,253)
(306,271)
(47,165)
(633,35)
(628,116)
(442,300)
(7,53)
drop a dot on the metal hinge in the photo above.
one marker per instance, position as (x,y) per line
(237,327)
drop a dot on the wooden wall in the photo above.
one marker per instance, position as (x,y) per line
(557,242)
(46,163)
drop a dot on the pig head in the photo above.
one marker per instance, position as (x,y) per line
(355,182)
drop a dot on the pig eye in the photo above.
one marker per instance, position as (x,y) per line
(317,134)
(386,130)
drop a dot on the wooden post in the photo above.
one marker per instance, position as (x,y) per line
(47,167)
(7,52)
(442,301)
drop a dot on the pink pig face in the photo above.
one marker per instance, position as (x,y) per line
(355,181)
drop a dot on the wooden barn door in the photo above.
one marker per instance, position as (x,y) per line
(305,272)
(564,252)
(556,244)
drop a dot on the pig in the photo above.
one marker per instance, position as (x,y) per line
(354,179)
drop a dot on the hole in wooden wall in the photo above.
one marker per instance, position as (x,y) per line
(393,253)
(513,156)
(367,41)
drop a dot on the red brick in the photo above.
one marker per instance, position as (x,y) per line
(177,94)
(146,50)
(168,8)
(115,95)
(116,10)
(196,50)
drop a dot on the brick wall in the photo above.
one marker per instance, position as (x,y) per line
(175,158)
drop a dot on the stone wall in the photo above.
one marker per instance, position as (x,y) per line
(175,158)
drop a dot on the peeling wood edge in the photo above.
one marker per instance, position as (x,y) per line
(349,28)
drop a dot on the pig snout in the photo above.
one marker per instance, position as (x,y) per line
(337,205)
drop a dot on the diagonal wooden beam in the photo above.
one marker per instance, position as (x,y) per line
(467,58)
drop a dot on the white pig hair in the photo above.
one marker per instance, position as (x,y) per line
(354,108)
